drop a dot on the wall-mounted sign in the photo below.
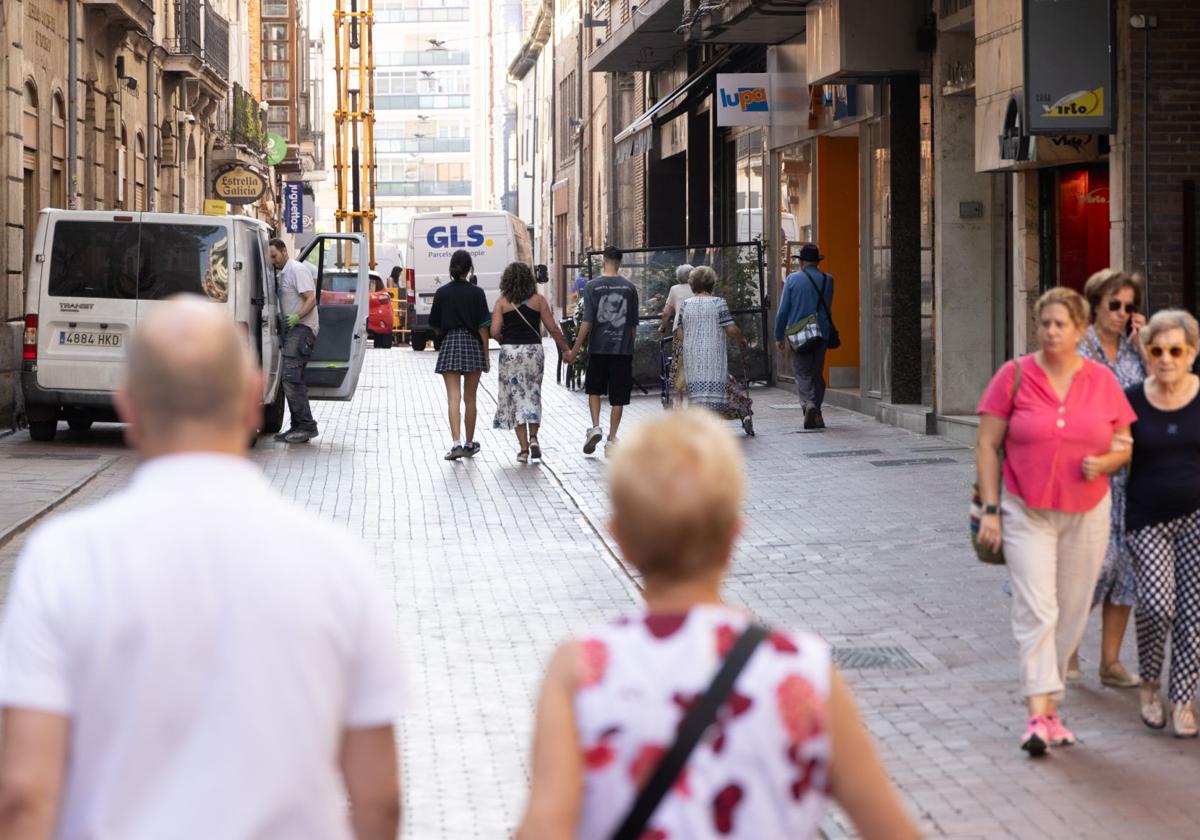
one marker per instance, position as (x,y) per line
(215,207)
(743,99)
(276,148)
(237,184)
(293,207)
(1070,74)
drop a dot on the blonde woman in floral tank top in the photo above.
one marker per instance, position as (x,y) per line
(787,737)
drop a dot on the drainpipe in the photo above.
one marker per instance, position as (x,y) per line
(152,133)
(72,100)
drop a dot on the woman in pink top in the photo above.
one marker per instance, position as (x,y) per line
(785,738)
(1064,428)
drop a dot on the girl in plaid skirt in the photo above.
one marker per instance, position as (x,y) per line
(461,321)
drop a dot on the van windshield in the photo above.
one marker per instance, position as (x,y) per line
(97,259)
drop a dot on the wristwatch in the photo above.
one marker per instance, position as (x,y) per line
(991,510)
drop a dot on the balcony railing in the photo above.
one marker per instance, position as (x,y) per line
(415,188)
(245,120)
(202,33)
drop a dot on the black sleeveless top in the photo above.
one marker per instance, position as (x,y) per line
(516,331)
(1164,476)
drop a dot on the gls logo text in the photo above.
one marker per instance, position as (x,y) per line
(447,237)
(747,98)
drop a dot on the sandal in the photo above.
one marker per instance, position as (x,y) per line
(535,451)
(523,456)
(1115,675)
(1153,714)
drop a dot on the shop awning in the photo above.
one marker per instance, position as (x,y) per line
(638,136)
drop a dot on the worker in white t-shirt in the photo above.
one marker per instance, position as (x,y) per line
(298,301)
(194,657)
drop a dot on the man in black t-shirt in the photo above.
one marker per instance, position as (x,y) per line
(610,319)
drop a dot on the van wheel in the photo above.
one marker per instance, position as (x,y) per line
(272,420)
(79,424)
(418,344)
(43,430)
(383,341)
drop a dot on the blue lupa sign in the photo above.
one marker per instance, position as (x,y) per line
(293,207)
(746,99)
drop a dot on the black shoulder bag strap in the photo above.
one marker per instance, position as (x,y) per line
(698,719)
(821,292)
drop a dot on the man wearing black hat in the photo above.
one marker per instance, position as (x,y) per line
(804,327)
(610,319)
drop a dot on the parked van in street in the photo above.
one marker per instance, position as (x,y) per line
(94,274)
(493,238)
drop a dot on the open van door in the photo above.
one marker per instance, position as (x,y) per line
(339,265)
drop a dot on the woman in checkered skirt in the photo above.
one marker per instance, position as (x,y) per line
(1162,518)
(461,320)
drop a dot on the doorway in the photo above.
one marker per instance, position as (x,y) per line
(1081,199)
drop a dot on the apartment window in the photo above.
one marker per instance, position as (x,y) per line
(568,113)
(275,32)
(279,114)
(284,130)
(275,70)
(276,90)
(275,8)
(276,52)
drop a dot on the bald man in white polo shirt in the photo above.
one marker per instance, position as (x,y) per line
(194,657)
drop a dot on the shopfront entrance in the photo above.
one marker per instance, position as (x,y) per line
(1082,211)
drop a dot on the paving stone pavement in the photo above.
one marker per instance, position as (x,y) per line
(856,532)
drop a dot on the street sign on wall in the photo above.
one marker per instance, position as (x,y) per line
(276,148)
(743,99)
(1070,78)
(238,184)
(293,208)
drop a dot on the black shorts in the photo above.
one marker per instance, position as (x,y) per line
(612,375)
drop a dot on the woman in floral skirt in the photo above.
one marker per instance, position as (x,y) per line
(515,322)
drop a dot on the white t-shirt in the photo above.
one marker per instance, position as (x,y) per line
(294,280)
(210,644)
(675,298)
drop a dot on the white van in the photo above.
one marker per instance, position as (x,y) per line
(494,239)
(94,274)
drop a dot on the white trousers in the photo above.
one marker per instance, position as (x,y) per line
(1054,559)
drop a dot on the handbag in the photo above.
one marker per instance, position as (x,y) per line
(983,552)
(693,727)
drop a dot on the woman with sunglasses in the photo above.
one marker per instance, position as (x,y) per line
(1162,516)
(1112,340)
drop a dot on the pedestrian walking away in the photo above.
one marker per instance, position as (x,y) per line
(1062,423)
(675,382)
(610,319)
(804,327)
(617,746)
(705,321)
(515,324)
(298,303)
(1113,340)
(193,657)
(1162,516)
(459,317)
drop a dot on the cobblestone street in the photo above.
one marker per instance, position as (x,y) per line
(857,532)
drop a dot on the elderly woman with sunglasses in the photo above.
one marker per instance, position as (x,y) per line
(1112,340)
(1162,516)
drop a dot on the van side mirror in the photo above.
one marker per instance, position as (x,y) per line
(541,274)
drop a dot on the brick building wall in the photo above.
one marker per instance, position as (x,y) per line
(1167,112)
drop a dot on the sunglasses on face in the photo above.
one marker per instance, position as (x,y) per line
(1176,350)
(1114,305)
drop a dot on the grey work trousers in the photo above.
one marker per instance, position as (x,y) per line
(809,367)
(297,347)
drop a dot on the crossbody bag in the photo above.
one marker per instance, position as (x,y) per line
(803,334)
(701,716)
(983,552)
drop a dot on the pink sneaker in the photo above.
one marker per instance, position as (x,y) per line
(1036,739)
(1060,736)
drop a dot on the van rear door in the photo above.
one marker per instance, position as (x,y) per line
(338,260)
(184,258)
(87,304)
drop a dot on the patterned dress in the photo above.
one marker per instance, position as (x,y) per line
(705,364)
(762,770)
(520,398)
(1118,583)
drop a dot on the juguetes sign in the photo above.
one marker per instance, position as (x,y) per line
(1069,70)
(238,184)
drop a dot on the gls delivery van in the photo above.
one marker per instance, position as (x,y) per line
(94,274)
(493,238)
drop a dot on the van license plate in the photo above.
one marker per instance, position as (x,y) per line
(88,339)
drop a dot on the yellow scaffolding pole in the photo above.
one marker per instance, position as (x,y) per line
(354,119)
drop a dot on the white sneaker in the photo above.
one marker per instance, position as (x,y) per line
(593,437)
(609,446)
